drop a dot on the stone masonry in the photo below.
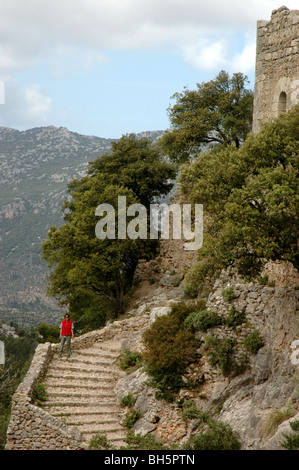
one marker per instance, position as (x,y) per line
(277,66)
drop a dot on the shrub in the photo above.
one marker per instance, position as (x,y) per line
(235,317)
(228,294)
(203,320)
(253,342)
(277,417)
(170,347)
(39,393)
(190,411)
(99,442)
(291,441)
(128,400)
(139,442)
(131,418)
(130,361)
(219,436)
(220,353)
(295,425)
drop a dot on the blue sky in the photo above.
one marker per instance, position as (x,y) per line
(110,67)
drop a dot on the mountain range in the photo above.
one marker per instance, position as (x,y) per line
(36,166)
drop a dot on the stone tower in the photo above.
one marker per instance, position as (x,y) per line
(277,66)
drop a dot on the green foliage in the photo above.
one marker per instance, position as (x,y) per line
(128,400)
(277,417)
(100,272)
(228,294)
(235,317)
(220,353)
(250,198)
(100,442)
(131,417)
(39,393)
(253,342)
(48,333)
(170,347)
(291,441)
(130,361)
(189,411)
(139,442)
(203,320)
(217,112)
(218,436)
(295,425)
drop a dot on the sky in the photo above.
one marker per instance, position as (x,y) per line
(111,67)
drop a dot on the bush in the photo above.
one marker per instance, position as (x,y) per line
(131,418)
(129,361)
(170,347)
(220,353)
(203,320)
(99,442)
(48,333)
(235,317)
(128,400)
(291,441)
(253,342)
(190,411)
(219,436)
(39,393)
(139,442)
(228,294)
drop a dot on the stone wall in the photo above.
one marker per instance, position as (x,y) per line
(30,427)
(277,65)
(269,382)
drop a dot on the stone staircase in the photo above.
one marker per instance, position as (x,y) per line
(80,391)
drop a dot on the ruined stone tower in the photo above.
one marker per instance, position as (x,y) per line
(277,66)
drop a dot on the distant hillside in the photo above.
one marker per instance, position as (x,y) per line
(35,168)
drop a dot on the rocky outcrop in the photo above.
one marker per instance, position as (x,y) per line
(252,401)
(259,401)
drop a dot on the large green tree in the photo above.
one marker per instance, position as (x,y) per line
(217,112)
(100,272)
(250,199)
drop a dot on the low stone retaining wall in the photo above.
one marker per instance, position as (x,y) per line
(32,428)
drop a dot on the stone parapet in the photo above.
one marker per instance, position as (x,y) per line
(32,428)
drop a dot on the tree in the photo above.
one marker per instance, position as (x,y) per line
(85,267)
(136,164)
(217,112)
(250,199)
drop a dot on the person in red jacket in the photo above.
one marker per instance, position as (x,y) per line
(66,335)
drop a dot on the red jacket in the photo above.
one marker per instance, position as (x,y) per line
(66,328)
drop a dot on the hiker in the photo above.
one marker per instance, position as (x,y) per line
(66,334)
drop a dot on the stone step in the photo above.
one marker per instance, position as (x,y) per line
(86,371)
(74,419)
(74,384)
(73,363)
(80,391)
(116,439)
(76,396)
(103,411)
(106,381)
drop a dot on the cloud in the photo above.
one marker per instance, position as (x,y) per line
(34,30)
(206,54)
(24,105)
